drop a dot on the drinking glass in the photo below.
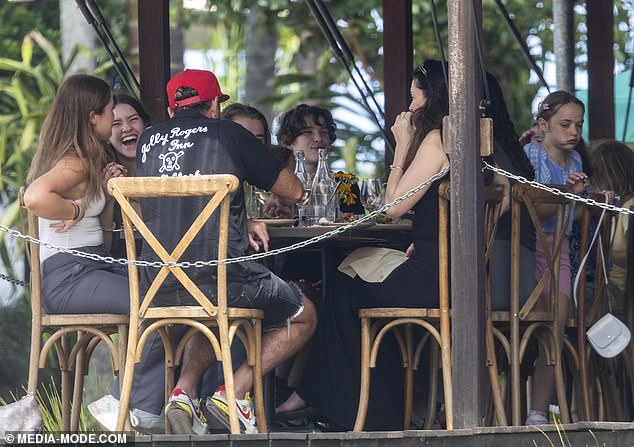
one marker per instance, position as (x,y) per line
(371,194)
(262,196)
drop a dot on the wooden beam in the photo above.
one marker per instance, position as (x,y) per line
(397,61)
(600,22)
(154,56)
(470,387)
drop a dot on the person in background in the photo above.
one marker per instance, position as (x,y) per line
(560,118)
(509,155)
(307,128)
(251,119)
(331,379)
(130,120)
(613,170)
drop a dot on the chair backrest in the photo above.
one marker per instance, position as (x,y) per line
(532,197)
(218,189)
(493,195)
(599,305)
(33,258)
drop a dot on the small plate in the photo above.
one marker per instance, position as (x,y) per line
(341,224)
(277,222)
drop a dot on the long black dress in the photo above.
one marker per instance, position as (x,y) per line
(331,379)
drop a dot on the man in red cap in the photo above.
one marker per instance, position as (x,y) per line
(195,142)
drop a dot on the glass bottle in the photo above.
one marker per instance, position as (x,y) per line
(322,195)
(305,179)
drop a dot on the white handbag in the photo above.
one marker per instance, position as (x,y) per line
(609,336)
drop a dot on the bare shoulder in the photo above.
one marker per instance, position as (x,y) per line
(71,163)
(431,146)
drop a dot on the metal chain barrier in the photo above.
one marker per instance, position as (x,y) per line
(15,282)
(215,262)
(555,191)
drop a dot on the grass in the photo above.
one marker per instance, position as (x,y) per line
(50,404)
(563,437)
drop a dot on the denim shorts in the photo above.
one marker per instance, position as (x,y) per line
(281,301)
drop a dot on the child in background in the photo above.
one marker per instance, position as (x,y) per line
(560,119)
(612,167)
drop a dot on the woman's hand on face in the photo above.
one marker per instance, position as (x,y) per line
(110,171)
(403,130)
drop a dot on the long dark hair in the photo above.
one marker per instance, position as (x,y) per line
(504,131)
(124,98)
(429,77)
(612,167)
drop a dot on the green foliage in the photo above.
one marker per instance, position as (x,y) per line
(15,331)
(17,19)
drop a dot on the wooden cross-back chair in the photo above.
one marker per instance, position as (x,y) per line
(73,336)
(592,386)
(219,323)
(514,328)
(376,322)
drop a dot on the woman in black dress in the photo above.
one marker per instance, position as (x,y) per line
(332,376)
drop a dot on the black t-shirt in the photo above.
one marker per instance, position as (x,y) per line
(187,145)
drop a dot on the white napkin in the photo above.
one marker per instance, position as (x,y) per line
(372,264)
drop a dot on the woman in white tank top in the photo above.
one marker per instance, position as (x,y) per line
(67,192)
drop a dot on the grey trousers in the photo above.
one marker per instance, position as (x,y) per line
(77,285)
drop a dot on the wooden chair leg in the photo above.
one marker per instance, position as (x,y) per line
(432,389)
(122,343)
(494,379)
(445,358)
(409,377)
(364,391)
(126,380)
(78,388)
(560,388)
(67,381)
(227,368)
(257,378)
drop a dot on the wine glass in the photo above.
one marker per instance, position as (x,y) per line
(262,196)
(306,180)
(371,194)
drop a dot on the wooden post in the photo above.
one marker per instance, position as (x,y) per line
(467,207)
(600,22)
(397,61)
(154,56)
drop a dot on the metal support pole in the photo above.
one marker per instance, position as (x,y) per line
(564,35)
(467,245)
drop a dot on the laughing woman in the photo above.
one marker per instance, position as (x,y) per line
(130,120)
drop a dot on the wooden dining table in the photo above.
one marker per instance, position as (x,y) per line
(331,251)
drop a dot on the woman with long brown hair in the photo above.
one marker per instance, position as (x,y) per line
(66,190)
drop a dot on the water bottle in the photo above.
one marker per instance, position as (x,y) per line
(305,179)
(322,198)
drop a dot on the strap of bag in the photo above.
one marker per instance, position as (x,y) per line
(585,258)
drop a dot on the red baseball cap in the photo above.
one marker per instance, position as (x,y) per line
(203,81)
